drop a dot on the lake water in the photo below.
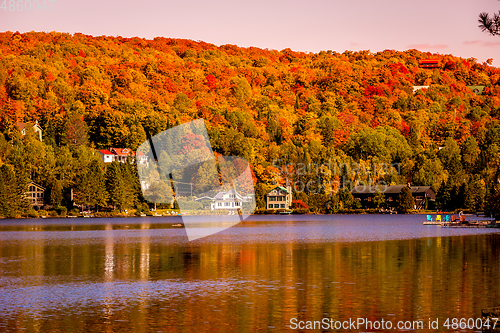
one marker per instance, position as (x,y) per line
(142,274)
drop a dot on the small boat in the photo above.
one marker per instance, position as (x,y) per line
(286,212)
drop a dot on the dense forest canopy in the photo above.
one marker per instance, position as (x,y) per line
(274,108)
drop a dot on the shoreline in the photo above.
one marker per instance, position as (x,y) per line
(213,215)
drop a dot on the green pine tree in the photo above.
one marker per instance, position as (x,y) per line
(115,185)
(379,199)
(405,200)
(11,193)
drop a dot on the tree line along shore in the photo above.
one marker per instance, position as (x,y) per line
(434,119)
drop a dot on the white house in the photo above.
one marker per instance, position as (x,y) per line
(231,200)
(106,155)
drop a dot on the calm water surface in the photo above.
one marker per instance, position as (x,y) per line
(142,275)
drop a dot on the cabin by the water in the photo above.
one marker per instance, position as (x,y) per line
(421,195)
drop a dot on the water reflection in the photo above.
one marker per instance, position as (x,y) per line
(122,275)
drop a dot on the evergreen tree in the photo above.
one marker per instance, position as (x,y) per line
(131,185)
(4,203)
(347,199)
(405,200)
(493,205)
(11,193)
(91,187)
(379,199)
(115,185)
(475,193)
(99,183)
(56,193)
(489,24)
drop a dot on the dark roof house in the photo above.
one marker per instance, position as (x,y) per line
(365,194)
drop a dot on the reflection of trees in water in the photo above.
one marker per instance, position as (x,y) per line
(225,284)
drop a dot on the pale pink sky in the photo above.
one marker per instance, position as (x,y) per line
(444,26)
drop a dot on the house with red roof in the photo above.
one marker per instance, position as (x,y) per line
(121,155)
(106,155)
(430,63)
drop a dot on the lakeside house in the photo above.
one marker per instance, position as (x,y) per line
(279,198)
(224,200)
(122,155)
(36,127)
(227,200)
(421,194)
(35,195)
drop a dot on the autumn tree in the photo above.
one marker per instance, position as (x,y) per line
(75,133)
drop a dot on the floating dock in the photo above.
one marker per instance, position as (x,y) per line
(446,221)
(432,223)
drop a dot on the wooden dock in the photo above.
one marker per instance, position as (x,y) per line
(470,225)
(462,222)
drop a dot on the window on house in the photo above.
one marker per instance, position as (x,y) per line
(276,206)
(270,205)
(282,205)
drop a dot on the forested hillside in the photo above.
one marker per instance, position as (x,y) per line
(270,107)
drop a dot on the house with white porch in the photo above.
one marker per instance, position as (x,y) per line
(229,200)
